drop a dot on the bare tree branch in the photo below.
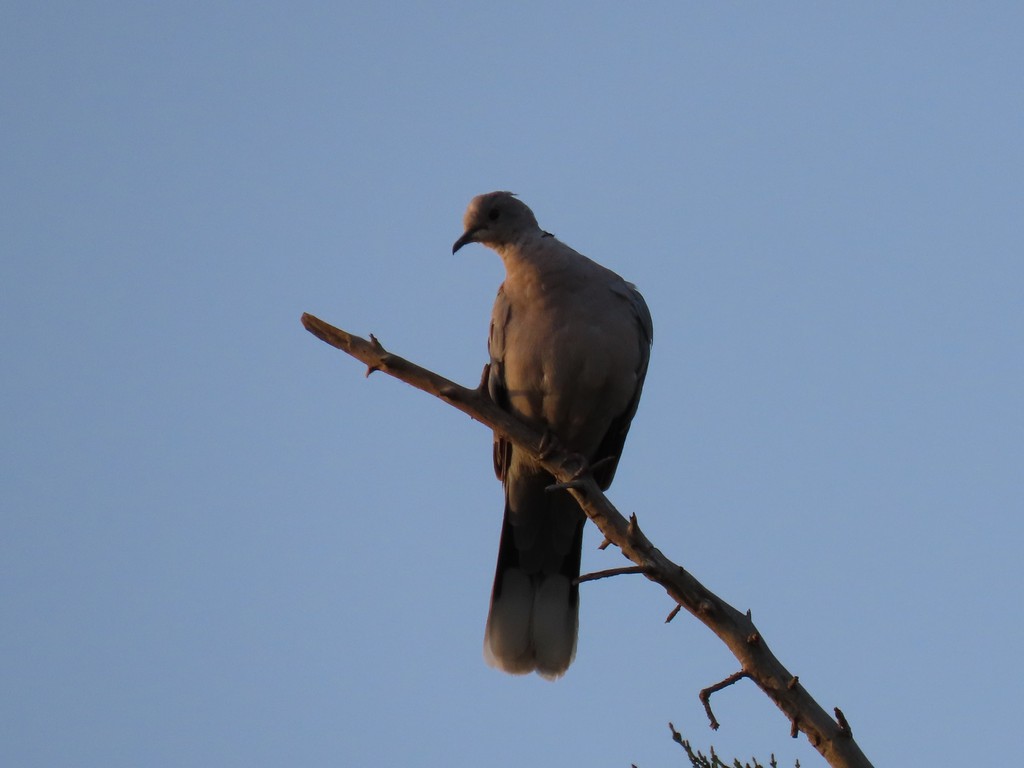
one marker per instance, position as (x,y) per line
(834,740)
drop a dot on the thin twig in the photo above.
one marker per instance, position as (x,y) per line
(705,695)
(606,574)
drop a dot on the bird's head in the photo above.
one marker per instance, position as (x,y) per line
(495,219)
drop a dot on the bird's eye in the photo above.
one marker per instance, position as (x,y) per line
(493,214)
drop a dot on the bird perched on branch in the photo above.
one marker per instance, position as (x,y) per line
(569,345)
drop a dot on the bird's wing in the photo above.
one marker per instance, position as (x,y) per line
(496,377)
(615,437)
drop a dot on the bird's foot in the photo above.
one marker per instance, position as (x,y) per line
(549,445)
(575,463)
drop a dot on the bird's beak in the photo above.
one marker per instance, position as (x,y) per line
(468,237)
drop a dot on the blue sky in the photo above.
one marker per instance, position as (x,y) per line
(221,545)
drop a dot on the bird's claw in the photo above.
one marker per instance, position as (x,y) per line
(549,445)
(576,462)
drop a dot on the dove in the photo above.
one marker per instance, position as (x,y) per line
(569,346)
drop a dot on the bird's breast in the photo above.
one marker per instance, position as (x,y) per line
(567,370)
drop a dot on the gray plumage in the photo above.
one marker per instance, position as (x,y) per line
(569,345)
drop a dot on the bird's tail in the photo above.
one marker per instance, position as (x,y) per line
(534,613)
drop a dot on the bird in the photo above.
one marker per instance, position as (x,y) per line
(569,346)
